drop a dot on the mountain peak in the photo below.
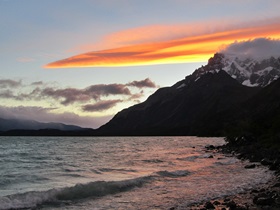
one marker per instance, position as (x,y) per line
(246,71)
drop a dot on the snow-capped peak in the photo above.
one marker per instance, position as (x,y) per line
(247,71)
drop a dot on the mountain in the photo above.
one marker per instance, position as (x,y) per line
(225,93)
(190,107)
(249,72)
(17,124)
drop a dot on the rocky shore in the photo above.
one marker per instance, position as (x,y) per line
(266,196)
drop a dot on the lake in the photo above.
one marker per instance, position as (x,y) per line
(118,172)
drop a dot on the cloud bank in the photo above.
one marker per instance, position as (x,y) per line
(95,92)
(97,99)
(67,96)
(257,49)
(170,44)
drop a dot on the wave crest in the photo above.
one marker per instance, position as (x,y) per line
(173,174)
(80,191)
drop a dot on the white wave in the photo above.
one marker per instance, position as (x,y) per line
(79,191)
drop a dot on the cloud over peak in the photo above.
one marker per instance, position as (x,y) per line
(260,48)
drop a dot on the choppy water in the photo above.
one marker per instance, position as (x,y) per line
(117,172)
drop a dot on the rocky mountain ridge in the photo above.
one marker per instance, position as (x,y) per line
(249,72)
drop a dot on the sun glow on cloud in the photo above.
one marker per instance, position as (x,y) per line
(192,43)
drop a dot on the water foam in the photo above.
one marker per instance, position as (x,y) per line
(79,191)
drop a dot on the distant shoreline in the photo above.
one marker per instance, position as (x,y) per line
(48,132)
(77,133)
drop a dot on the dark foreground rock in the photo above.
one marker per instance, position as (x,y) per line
(250,166)
(265,196)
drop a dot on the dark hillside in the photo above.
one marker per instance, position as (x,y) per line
(201,107)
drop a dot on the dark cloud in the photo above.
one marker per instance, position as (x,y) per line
(72,95)
(260,48)
(69,95)
(105,90)
(91,99)
(100,106)
(6,94)
(36,91)
(143,83)
(135,97)
(37,83)
(8,83)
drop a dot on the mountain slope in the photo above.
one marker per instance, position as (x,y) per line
(260,115)
(194,106)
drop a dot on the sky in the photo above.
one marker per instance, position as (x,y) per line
(81,62)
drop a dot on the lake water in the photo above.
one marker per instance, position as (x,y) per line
(117,172)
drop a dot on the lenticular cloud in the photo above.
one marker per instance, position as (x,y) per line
(260,48)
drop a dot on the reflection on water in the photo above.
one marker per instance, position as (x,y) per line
(117,172)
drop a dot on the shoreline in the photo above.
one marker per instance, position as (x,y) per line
(263,196)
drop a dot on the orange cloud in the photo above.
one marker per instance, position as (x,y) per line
(182,46)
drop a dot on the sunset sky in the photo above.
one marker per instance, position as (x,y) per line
(80,62)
